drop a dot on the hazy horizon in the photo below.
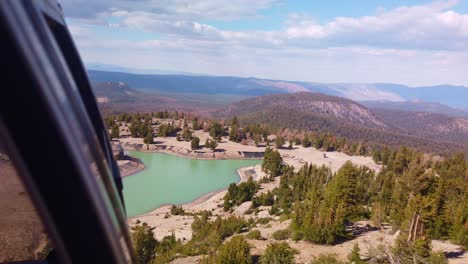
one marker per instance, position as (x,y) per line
(118,68)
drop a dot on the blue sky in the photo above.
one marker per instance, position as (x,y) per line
(410,42)
(322,11)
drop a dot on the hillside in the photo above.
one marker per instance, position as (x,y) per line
(426,125)
(118,97)
(348,119)
(416,106)
(311,103)
(115,92)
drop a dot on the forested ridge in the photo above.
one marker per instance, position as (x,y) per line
(284,117)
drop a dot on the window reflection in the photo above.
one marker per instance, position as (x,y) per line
(22,233)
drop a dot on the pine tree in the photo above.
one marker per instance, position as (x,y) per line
(305,141)
(213,144)
(278,253)
(144,242)
(257,141)
(186,134)
(216,131)
(234,134)
(195,125)
(272,162)
(279,141)
(115,133)
(236,251)
(354,257)
(148,138)
(195,143)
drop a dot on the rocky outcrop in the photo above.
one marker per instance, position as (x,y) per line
(127,165)
(118,151)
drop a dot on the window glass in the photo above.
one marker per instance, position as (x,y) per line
(22,233)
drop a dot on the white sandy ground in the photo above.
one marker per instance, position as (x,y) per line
(228,149)
(181,225)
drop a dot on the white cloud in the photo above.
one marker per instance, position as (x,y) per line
(416,45)
(429,26)
(151,22)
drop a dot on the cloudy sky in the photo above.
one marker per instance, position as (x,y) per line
(410,42)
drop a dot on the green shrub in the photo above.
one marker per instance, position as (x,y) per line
(236,251)
(281,234)
(240,193)
(144,242)
(254,234)
(264,199)
(195,144)
(354,256)
(167,249)
(177,210)
(208,235)
(327,259)
(284,217)
(278,253)
(264,220)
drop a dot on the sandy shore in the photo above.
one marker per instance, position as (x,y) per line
(128,167)
(226,149)
(181,225)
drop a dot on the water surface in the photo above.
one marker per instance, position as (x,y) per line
(170,179)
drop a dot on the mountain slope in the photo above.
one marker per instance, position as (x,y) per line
(342,117)
(115,92)
(416,106)
(426,125)
(312,103)
(118,97)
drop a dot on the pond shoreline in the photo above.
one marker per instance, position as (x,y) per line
(129,166)
(139,204)
(219,154)
(241,173)
(211,201)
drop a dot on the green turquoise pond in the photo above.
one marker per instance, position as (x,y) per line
(170,179)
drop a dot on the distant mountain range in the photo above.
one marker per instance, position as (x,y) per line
(115,68)
(452,96)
